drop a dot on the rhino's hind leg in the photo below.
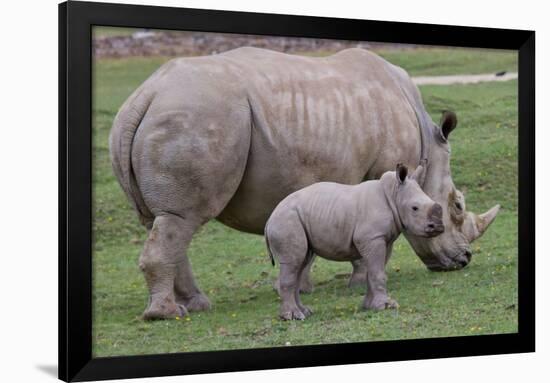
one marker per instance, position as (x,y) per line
(306,285)
(305,267)
(186,289)
(188,162)
(359,274)
(164,250)
(288,244)
(290,308)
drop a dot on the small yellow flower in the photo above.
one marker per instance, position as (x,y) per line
(188,319)
(178,318)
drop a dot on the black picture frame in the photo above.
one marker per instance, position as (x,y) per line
(75,184)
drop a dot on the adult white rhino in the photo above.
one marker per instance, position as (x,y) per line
(229,136)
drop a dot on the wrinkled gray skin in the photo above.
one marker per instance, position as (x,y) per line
(345,223)
(229,136)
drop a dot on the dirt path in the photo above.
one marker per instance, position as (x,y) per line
(463,79)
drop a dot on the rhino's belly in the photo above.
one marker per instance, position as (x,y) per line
(340,254)
(271,176)
(254,201)
(334,241)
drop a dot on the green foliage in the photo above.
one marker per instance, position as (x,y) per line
(234,270)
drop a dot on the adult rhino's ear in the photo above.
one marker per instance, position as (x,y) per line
(448,123)
(401,172)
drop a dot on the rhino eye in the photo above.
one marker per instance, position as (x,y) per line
(415,208)
(458,205)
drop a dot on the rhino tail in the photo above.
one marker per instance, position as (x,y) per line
(125,126)
(269,252)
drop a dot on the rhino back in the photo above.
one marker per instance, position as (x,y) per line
(341,118)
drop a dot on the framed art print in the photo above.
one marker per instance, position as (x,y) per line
(246,191)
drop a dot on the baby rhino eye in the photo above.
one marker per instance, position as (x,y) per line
(415,208)
(458,205)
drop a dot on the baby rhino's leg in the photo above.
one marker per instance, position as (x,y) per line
(305,267)
(374,255)
(359,275)
(287,243)
(306,285)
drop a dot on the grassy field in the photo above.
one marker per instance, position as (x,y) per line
(234,270)
(113,31)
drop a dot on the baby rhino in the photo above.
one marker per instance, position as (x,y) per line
(345,223)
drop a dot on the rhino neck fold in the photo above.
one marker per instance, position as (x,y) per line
(423,127)
(390,192)
(424,121)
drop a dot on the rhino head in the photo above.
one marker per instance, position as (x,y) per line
(418,213)
(451,250)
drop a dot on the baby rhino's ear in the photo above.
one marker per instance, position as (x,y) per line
(401,172)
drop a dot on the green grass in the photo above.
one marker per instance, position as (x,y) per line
(445,61)
(113,31)
(234,270)
(441,61)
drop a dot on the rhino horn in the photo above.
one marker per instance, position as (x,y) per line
(479,223)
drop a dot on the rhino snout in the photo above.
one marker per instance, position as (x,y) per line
(464,259)
(433,229)
(453,263)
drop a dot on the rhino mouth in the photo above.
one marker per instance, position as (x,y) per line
(446,263)
(434,229)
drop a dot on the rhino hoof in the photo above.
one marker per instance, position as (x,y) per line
(306,311)
(198,302)
(382,304)
(165,312)
(294,314)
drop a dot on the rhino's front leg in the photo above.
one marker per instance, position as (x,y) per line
(359,273)
(374,256)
